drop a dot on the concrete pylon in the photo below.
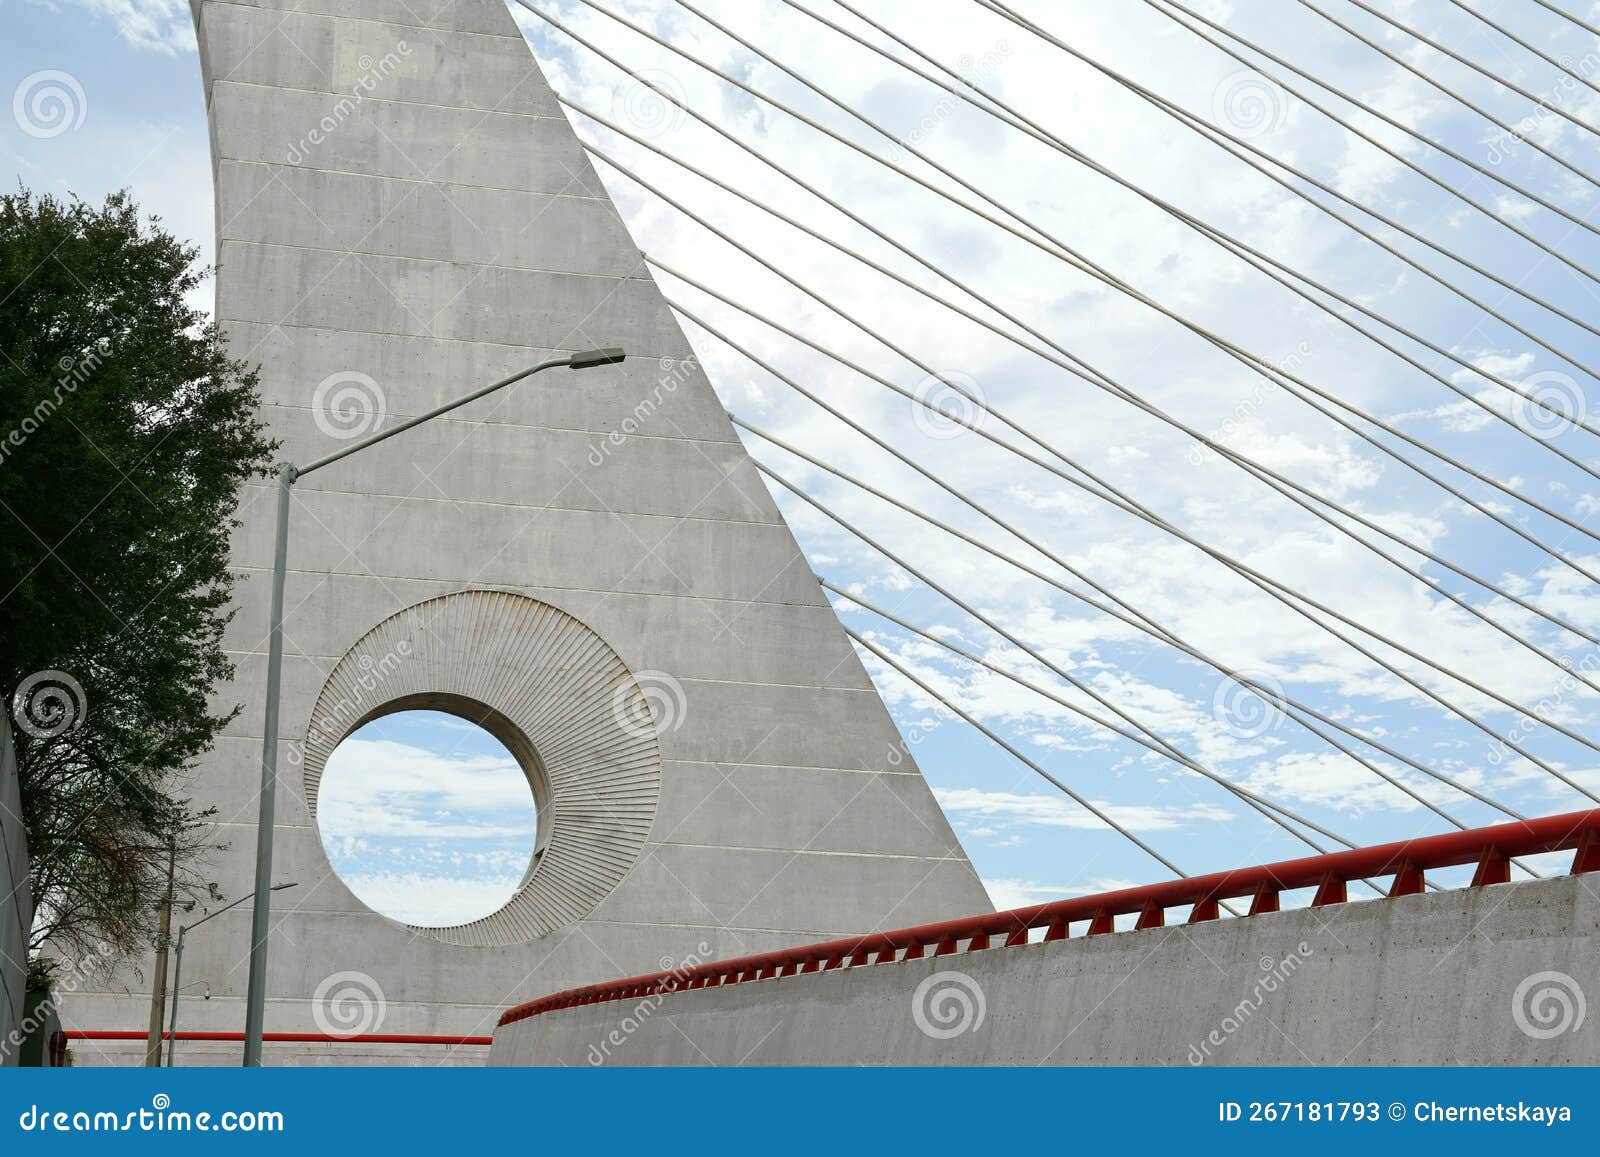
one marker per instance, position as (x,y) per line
(589,562)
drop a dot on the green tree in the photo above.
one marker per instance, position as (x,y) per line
(126,431)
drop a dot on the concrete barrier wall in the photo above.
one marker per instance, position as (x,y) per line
(16,901)
(1496,975)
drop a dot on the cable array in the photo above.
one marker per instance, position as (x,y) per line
(1475,605)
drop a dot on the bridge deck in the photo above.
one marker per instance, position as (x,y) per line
(1483,974)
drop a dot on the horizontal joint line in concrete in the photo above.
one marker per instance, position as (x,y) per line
(682,678)
(383,179)
(713,929)
(531,508)
(348,253)
(286,12)
(792,767)
(605,435)
(455,585)
(650,846)
(343,331)
(256,739)
(339,93)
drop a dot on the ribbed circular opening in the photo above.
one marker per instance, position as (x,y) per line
(561,702)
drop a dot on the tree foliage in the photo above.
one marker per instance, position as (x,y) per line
(126,431)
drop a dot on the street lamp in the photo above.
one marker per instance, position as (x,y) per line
(177,965)
(288,472)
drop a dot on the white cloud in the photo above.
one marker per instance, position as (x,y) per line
(1008,892)
(1059,811)
(382,787)
(434,834)
(156,25)
(432,900)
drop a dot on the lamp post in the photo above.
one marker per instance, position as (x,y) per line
(158,990)
(288,472)
(177,965)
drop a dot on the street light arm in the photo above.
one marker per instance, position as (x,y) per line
(225,907)
(177,974)
(580,361)
(256,991)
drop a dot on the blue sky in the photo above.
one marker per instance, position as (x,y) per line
(421,796)
(143,128)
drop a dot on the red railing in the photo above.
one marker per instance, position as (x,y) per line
(365,1038)
(1491,849)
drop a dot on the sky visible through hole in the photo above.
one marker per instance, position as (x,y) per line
(427,818)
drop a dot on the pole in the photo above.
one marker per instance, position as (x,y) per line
(261,910)
(256,996)
(158,986)
(177,990)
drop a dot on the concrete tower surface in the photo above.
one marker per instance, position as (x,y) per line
(587,563)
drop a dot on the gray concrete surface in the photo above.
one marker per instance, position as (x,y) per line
(399,196)
(1498,975)
(16,901)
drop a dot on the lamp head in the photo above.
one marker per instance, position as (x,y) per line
(588,359)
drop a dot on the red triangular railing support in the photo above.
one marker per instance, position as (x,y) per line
(1493,868)
(1152,915)
(1587,857)
(1330,891)
(1265,899)
(1408,881)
